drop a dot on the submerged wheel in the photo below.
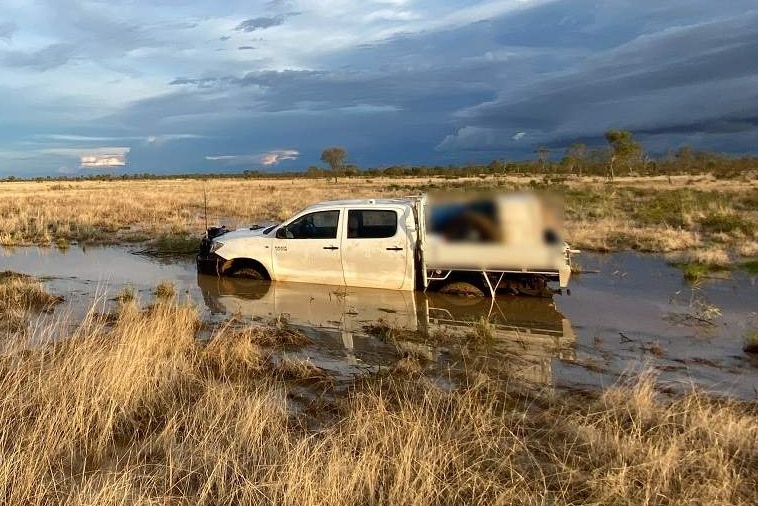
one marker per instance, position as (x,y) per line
(462,288)
(247,272)
(532,287)
(532,292)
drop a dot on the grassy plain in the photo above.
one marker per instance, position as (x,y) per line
(713,222)
(132,408)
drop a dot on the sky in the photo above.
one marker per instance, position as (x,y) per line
(171,86)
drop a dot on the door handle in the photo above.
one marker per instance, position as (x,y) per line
(395,249)
(331,247)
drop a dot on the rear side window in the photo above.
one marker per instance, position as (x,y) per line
(370,224)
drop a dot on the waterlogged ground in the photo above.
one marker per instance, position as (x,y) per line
(635,311)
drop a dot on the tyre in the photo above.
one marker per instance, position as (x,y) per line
(462,288)
(248,272)
(535,286)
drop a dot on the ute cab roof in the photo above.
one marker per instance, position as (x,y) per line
(409,201)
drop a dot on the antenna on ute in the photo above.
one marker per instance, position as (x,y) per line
(205,205)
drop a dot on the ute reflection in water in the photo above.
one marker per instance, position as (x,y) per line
(526,333)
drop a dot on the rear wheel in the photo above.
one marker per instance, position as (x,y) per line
(535,286)
(462,288)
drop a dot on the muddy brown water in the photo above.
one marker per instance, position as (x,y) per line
(635,312)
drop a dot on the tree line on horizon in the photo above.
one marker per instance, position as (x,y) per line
(622,156)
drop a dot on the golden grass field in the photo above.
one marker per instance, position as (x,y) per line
(712,221)
(131,408)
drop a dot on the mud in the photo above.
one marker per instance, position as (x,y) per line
(636,311)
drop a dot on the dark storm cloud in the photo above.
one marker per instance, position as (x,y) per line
(437,91)
(744,121)
(700,78)
(500,91)
(7,29)
(261,23)
(443,85)
(47,58)
(434,71)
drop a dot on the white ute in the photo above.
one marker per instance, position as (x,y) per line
(501,244)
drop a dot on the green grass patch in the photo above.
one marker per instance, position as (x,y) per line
(751,341)
(695,271)
(726,223)
(751,266)
(665,208)
(168,245)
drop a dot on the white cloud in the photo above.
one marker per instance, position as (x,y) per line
(226,158)
(391,15)
(269,158)
(158,140)
(91,158)
(276,157)
(519,136)
(103,161)
(103,158)
(78,138)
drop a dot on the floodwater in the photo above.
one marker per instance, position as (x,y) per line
(635,312)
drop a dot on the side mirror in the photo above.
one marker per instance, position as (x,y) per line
(281,233)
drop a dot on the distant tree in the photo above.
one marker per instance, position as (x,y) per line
(543,156)
(624,149)
(351,169)
(314,172)
(496,167)
(685,156)
(335,158)
(576,156)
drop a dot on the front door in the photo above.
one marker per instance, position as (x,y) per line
(374,249)
(307,250)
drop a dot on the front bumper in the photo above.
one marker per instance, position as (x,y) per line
(209,264)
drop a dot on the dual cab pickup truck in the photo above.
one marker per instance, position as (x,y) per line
(500,244)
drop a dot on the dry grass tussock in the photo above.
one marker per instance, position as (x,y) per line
(20,298)
(138,411)
(748,249)
(715,257)
(610,234)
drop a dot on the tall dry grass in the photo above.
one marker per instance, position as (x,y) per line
(646,213)
(35,212)
(138,411)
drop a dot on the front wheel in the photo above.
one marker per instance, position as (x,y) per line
(247,273)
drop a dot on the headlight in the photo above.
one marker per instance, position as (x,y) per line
(215,246)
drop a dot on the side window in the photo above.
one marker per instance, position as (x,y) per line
(371,224)
(319,225)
